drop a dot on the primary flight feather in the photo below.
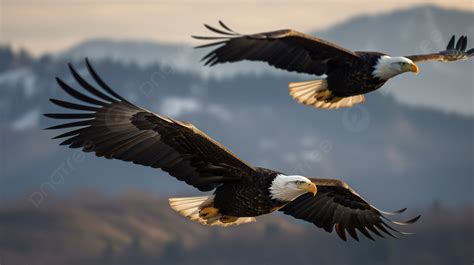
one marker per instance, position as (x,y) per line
(108,125)
(347,74)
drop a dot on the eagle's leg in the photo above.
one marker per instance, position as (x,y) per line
(228,219)
(332,99)
(323,95)
(208,212)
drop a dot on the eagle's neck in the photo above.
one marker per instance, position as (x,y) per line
(282,187)
(386,67)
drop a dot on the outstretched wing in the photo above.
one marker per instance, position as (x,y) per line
(337,205)
(452,52)
(284,49)
(112,127)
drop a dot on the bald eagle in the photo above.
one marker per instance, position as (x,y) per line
(344,75)
(112,127)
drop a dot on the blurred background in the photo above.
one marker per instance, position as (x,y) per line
(410,145)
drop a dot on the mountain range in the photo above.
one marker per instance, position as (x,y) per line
(410,145)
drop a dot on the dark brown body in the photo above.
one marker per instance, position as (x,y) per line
(247,199)
(355,78)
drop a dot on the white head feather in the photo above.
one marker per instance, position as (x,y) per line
(284,188)
(388,67)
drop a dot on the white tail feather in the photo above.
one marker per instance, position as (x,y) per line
(190,207)
(316,92)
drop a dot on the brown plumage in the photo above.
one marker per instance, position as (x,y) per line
(112,127)
(451,54)
(338,205)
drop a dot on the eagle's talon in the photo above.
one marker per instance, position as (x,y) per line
(228,219)
(208,212)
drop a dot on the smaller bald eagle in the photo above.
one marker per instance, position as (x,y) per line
(110,126)
(346,75)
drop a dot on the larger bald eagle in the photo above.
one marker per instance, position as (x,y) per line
(347,75)
(112,127)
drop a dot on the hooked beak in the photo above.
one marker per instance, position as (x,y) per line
(309,187)
(414,68)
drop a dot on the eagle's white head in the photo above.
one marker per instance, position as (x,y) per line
(388,67)
(288,188)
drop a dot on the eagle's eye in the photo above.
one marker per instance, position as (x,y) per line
(298,182)
(402,63)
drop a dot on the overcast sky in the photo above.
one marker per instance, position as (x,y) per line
(51,25)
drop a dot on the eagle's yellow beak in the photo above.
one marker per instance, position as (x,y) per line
(414,68)
(309,187)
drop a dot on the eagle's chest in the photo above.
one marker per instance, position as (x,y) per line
(245,200)
(354,80)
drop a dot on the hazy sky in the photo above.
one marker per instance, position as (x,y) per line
(51,25)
